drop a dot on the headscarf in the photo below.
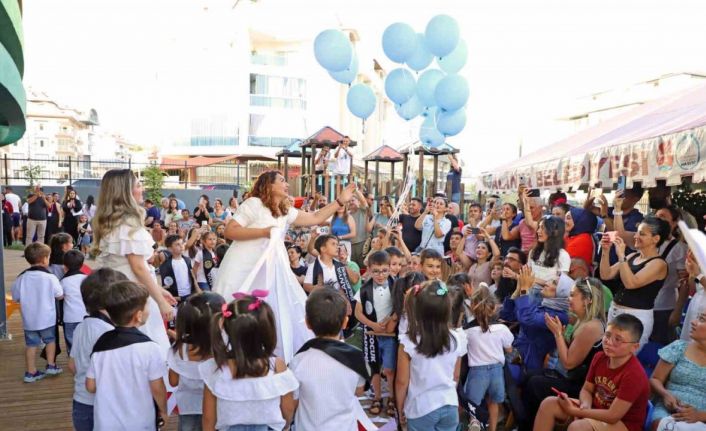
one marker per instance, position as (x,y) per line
(584,221)
(561,301)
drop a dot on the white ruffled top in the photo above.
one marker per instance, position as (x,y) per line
(127,240)
(189,393)
(248,401)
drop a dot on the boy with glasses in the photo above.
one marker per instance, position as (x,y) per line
(615,393)
(373,309)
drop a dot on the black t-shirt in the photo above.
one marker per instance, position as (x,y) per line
(37,210)
(410,235)
(454,225)
(202,216)
(299,271)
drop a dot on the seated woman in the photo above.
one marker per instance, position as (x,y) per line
(642,274)
(548,258)
(580,226)
(574,352)
(530,305)
(679,380)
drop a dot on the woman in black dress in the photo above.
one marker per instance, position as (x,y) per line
(72,207)
(53,218)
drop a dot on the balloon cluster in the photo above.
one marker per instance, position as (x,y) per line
(439,95)
(334,52)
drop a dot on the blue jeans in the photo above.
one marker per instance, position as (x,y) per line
(36,338)
(444,418)
(69,329)
(204,287)
(189,423)
(249,428)
(82,415)
(387,346)
(485,379)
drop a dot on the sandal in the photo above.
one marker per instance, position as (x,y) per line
(391,410)
(375,408)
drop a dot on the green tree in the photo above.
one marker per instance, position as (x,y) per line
(32,173)
(153,179)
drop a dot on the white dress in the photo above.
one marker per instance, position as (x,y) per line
(263,264)
(114,250)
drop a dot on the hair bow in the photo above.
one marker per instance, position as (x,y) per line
(226,312)
(442,290)
(258,294)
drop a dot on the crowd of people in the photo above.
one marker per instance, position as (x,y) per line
(536,310)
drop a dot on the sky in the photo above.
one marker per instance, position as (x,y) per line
(144,65)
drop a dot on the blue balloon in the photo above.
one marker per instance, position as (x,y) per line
(333,50)
(429,112)
(430,136)
(347,76)
(451,123)
(442,35)
(399,41)
(400,85)
(451,93)
(361,101)
(421,57)
(410,108)
(455,61)
(426,84)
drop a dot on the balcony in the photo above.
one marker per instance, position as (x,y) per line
(270,141)
(278,102)
(268,59)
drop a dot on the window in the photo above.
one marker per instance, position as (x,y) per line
(277,91)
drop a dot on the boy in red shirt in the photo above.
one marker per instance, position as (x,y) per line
(614,396)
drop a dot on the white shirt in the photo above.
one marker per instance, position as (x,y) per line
(123,400)
(253,401)
(676,261)
(181,274)
(200,274)
(431,382)
(36,291)
(429,240)
(74,310)
(85,337)
(328,273)
(189,394)
(326,392)
(15,201)
(342,163)
(488,348)
(25,208)
(696,305)
(562,264)
(382,302)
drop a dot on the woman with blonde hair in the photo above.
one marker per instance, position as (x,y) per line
(123,244)
(258,259)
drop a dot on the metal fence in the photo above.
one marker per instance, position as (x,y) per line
(61,171)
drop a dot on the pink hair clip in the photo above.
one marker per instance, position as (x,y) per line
(416,288)
(258,294)
(225,311)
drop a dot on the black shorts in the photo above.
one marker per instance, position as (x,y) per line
(16,219)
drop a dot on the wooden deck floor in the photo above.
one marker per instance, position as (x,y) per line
(46,404)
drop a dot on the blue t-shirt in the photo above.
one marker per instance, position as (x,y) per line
(154,213)
(454,177)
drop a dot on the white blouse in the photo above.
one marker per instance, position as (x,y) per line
(250,400)
(431,383)
(189,393)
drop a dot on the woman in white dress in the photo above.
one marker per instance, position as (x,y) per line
(258,259)
(122,243)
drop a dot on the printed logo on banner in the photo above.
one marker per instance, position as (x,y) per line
(688,152)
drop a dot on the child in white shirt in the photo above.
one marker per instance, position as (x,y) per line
(487,344)
(429,361)
(127,368)
(94,289)
(205,261)
(255,392)
(37,289)
(191,348)
(74,309)
(330,372)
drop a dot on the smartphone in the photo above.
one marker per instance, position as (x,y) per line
(523,179)
(204,223)
(533,193)
(322,230)
(612,235)
(561,394)
(622,182)
(475,231)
